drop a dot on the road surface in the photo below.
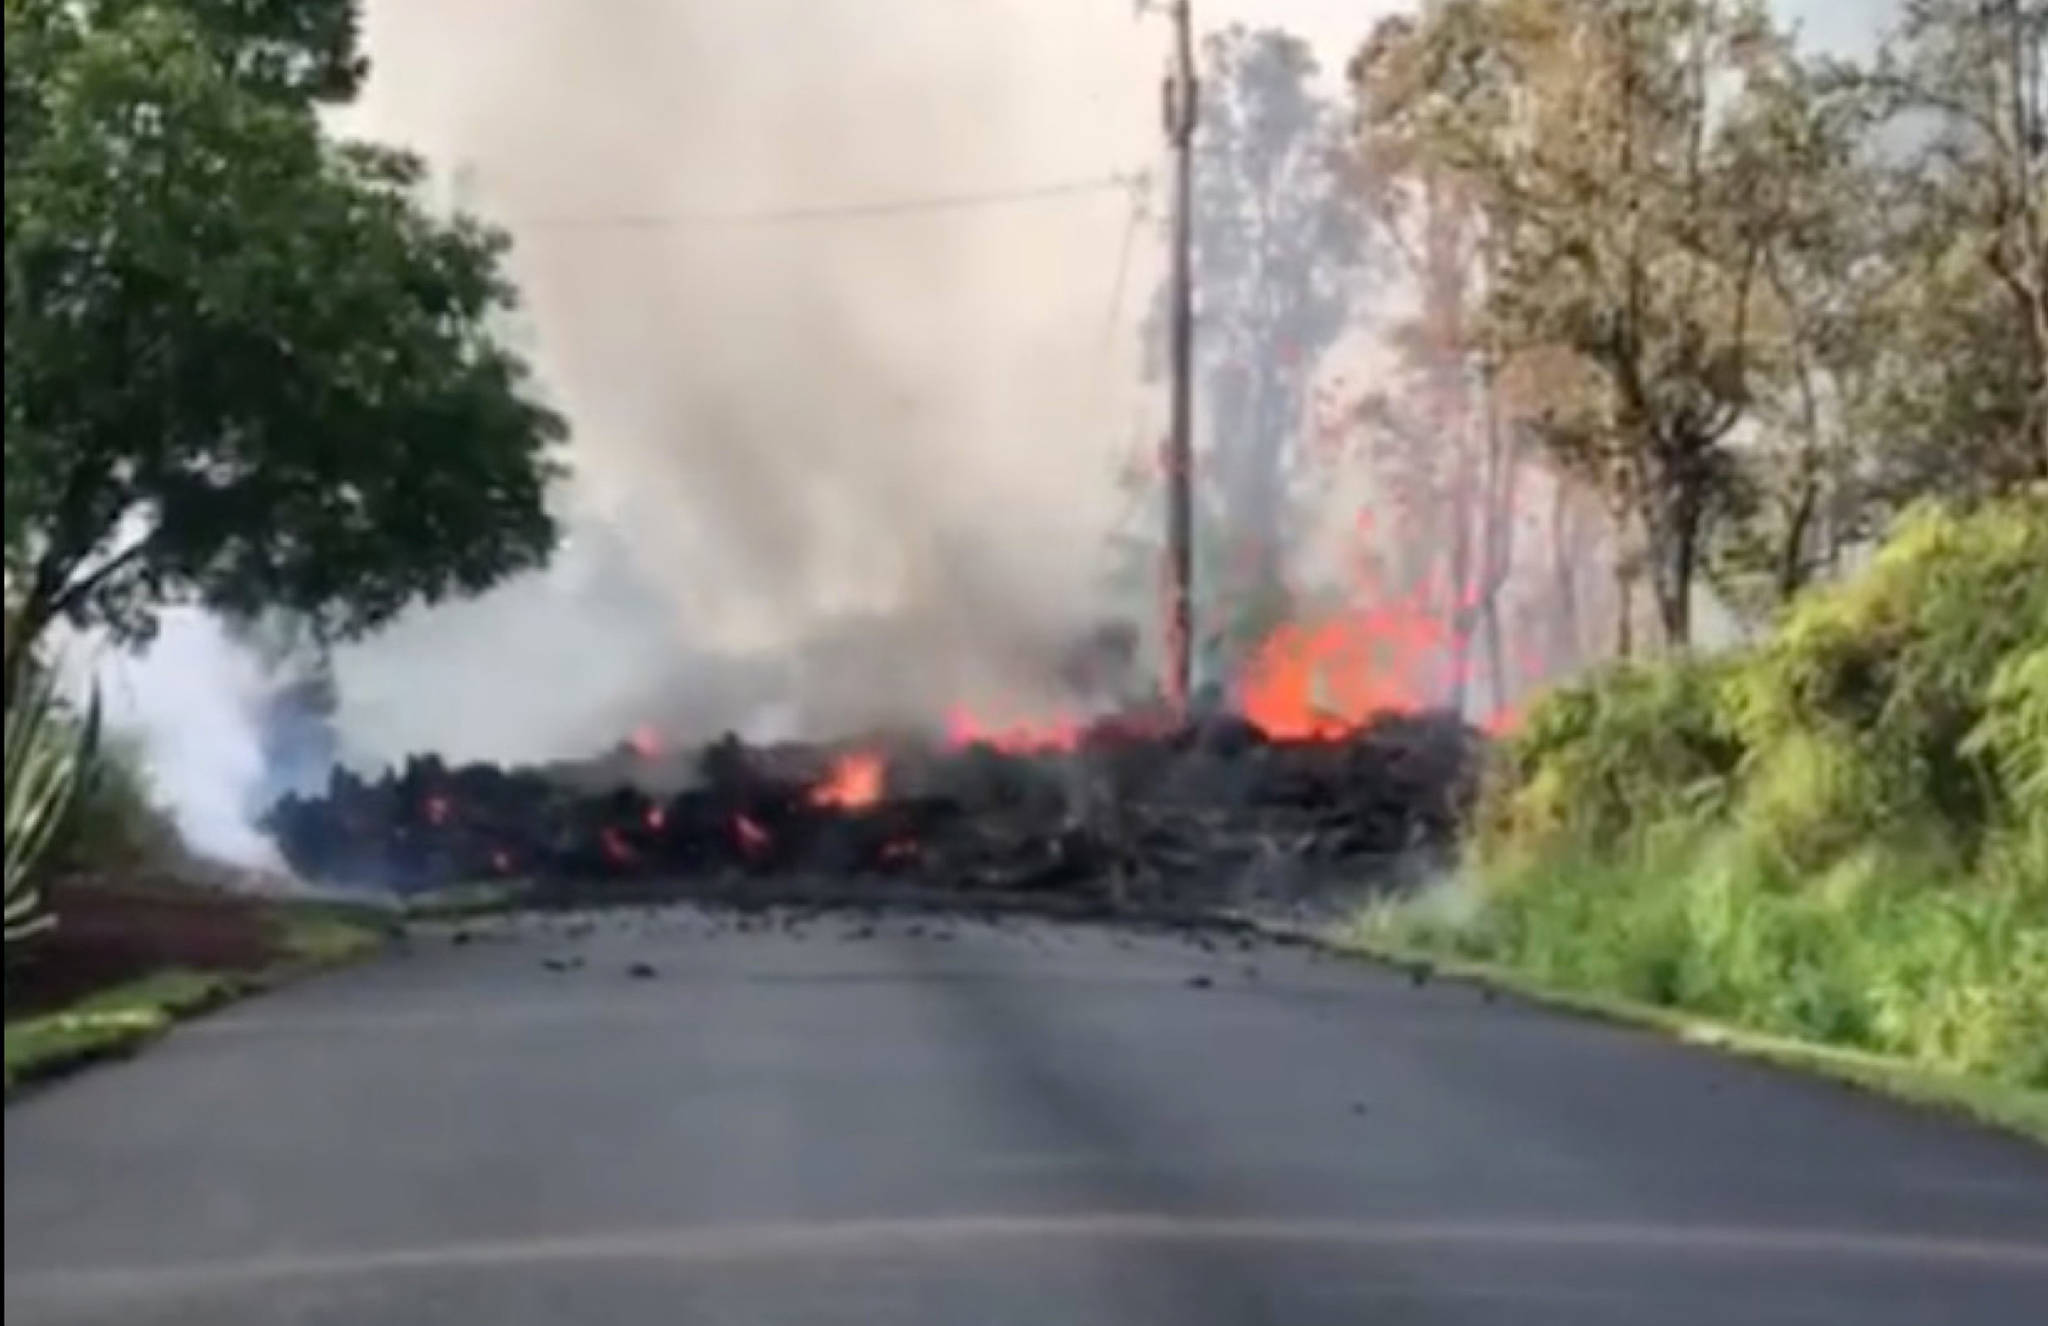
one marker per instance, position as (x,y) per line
(943,1122)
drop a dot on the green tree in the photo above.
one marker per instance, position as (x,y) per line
(244,366)
(1805,490)
(1963,404)
(1631,223)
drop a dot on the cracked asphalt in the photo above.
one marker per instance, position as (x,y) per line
(671,1117)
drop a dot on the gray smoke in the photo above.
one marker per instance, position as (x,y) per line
(828,472)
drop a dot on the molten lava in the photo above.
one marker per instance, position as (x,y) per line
(1324,680)
(751,837)
(855,782)
(964,729)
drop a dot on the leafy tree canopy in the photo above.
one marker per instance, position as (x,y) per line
(244,366)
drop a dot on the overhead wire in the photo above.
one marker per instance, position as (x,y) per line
(1140,210)
(852,211)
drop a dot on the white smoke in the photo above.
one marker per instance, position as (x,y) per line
(190,700)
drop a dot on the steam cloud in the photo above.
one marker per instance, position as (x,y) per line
(188,700)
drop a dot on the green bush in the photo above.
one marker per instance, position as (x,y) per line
(1840,834)
(1865,710)
(1632,743)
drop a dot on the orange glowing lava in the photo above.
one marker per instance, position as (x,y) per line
(856,781)
(963,729)
(1319,681)
(752,838)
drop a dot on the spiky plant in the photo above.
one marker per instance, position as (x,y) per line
(49,759)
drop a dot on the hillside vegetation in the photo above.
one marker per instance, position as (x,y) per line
(1840,833)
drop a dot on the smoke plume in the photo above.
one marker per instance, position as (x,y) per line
(830,470)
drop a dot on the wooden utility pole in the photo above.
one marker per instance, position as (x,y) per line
(1180,104)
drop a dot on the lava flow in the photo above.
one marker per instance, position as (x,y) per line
(1324,681)
(964,729)
(856,781)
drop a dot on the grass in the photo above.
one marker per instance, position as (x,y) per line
(1878,952)
(463,900)
(112,1023)
(2013,1108)
(119,1021)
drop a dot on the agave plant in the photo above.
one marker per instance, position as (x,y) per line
(49,760)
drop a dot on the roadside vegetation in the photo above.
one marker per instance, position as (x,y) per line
(1792,340)
(250,368)
(121,1018)
(1839,834)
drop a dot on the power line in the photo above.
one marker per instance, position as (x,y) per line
(953,202)
(1132,221)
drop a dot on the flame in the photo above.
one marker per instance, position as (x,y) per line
(964,729)
(437,809)
(655,818)
(644,742)
(1320,681)
(752,838)
(856,781)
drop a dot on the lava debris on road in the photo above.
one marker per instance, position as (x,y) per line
(1122,813)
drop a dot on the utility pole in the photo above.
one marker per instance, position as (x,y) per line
(1180,102)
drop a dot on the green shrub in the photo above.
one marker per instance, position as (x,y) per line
(1840,835)
(2013,733)
(1872,693)
(1633,743)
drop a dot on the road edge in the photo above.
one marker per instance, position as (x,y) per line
(2015,1111)
(121,1021)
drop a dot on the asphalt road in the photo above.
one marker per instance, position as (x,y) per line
(942,1122)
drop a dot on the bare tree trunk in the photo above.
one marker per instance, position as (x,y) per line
(1624,612)
(1496,654)
(1792,559)
(1566,639)
(1502,473)
(1459,613)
